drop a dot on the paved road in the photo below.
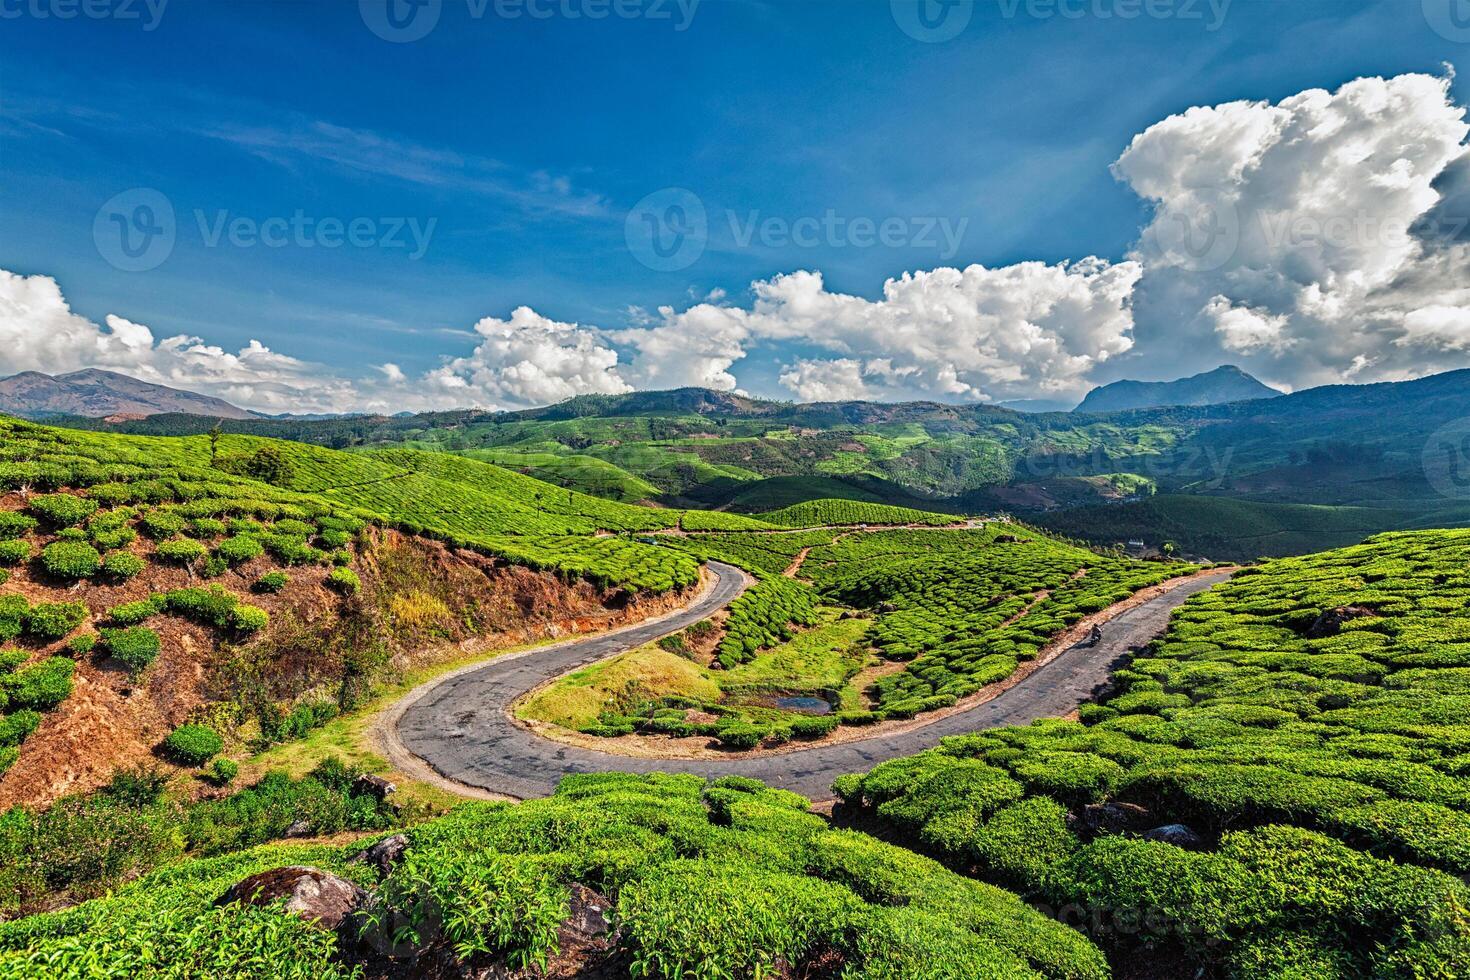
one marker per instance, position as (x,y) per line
(461,726)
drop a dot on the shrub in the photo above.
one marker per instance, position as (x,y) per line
(41,686)
(224,771)
(211,606)
(70,559)
(16,726)
(110,540)
(135,646)
(741,736)
(239,549)
(272,582)
(160,525)
(82,644)
(53,620)
(129,613)
(813,726)
(122,564)
(206,527)
(13,551)
(181,551)
(344,580)
(193,744)
(14,524)
(249,619)
(63,509)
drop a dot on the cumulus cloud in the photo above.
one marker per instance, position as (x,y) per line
(975,333)
(526,360)
(1321,236)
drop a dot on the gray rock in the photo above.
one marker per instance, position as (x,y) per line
(374,786)
(310,893)
(300,828)
(384,854)
(1177,834)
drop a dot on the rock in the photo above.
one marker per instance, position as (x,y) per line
(384,854)
(374,786)
(1177,834)
(1330,622)
(299,828)
(1112,818)
(1007,539)
(311,894)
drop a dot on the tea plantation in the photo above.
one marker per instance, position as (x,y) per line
(1305,722)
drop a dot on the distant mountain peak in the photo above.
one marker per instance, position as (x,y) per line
(97,393)
(1226,383)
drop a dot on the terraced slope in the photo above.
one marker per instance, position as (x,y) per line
(1305,722)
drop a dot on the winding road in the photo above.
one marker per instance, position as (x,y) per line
(460,724)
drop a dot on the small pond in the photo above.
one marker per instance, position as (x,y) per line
(805,705)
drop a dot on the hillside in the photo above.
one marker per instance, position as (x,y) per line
(150,583)
(1227,383)
(96,393)
(1370,447)
(1276,790)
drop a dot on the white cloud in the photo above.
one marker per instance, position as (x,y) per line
(1310,234)
(526,360)
(973,333)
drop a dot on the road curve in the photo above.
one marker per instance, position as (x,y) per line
(460,725)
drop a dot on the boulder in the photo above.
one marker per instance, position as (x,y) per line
(384,854)
(1177,834)
(310,893)
(1330,622)
(374,786)
(298,828)
(1111,818)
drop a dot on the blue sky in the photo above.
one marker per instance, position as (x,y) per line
(527,141)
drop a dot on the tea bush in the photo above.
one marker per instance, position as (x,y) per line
(63,509)
(180,551)
(122,564)
(14,551)
(344,580)
(135,646)
(193,744)
(71,559)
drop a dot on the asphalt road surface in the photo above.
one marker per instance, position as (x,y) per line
(461,726)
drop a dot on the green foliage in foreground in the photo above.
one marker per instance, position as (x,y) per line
(1322,758)
(710,881)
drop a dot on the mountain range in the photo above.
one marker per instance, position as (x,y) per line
(94,393)
(1226,383)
